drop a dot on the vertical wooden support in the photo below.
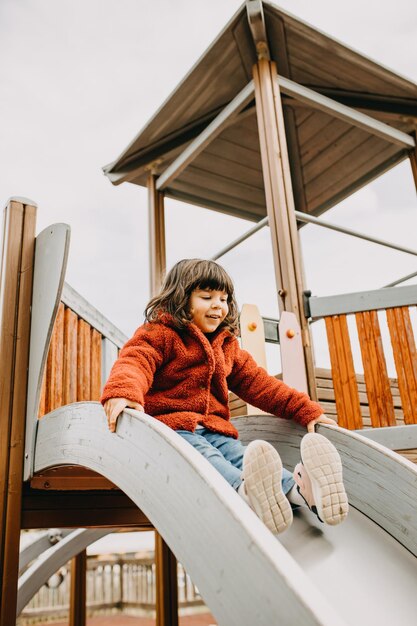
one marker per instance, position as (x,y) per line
(78,592)
(166,584)
(280,204)
(343,373)
(70,357)
(381,405)
(413,162)
(83,360)
(15,300)
(405,357)
(54,365)
(252,336)
(95,378)
(157,254)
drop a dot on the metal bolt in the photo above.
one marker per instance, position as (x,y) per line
(290,333)
(252,326)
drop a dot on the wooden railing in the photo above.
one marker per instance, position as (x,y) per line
(113,583)
(384,395)
(83,346)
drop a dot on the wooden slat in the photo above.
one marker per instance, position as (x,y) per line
(83,360)
(55,362)
(78,590)
(16,295)
(70,357)
(95,375)
(166,584)
(375,369)
(344,379)
(405,357)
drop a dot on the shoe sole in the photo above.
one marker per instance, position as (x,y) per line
(322,462)
(262,473)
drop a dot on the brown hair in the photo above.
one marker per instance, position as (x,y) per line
(186,276)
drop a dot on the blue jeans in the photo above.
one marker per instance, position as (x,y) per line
(226,455)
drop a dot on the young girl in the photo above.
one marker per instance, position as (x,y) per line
(179,367)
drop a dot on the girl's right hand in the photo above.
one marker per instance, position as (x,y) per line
(114,406)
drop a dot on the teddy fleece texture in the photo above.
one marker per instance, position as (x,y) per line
(182,378)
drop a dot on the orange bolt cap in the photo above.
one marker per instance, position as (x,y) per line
(252,326)
(290,333)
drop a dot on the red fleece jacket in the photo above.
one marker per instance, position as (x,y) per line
(182,379)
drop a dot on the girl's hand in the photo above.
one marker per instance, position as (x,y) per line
(114,406)
(323,419)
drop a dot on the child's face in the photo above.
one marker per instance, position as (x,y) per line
(208,309)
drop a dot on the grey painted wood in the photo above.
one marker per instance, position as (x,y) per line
(109,354)
(40,543)
(393,437)
(51,254)
(242,571)
(345,113)
(90,314)
(363,301)
(229,113)
(52,559)
(380,483)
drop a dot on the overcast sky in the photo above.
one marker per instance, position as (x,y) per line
(79,78)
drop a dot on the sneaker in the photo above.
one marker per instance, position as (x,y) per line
(262,471)
(319,479)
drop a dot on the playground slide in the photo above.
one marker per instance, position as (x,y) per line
(357,573)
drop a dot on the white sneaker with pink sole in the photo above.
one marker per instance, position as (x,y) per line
(262,486)
(319,479)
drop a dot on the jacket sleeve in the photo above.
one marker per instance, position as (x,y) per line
(132,374)
(254,385)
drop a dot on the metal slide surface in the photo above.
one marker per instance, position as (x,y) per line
(311,575)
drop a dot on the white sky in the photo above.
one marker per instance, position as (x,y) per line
(79,78)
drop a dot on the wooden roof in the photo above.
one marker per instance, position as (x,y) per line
(330,158)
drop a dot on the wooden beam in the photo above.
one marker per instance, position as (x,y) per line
(166,584)
(345,113)
(78,590)
(280,204)
(157,253)
(213,130)
(413,163)
(16,295)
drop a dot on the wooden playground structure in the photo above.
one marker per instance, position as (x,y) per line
(276,123)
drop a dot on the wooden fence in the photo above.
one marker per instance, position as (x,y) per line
(114,583)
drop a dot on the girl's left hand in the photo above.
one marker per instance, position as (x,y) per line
(323,419)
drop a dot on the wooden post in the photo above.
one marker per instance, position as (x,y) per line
(15,299)
(78,592)
(166,584)
(157,255)
(280,204)
(413,161)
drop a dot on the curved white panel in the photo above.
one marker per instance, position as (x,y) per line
(51,254)
(52,559)
(243,573)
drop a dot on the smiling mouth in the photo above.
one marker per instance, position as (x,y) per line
(213,317)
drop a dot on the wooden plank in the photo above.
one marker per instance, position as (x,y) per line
(70,357)
(375,369)
(16,296)
(280,204)
(166,584)
(157,248)
(405,358)
(343,373)
(253,337)
(78,590)
(55,365)
(83,361)
(70,478)
(95,375)
(339,175)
